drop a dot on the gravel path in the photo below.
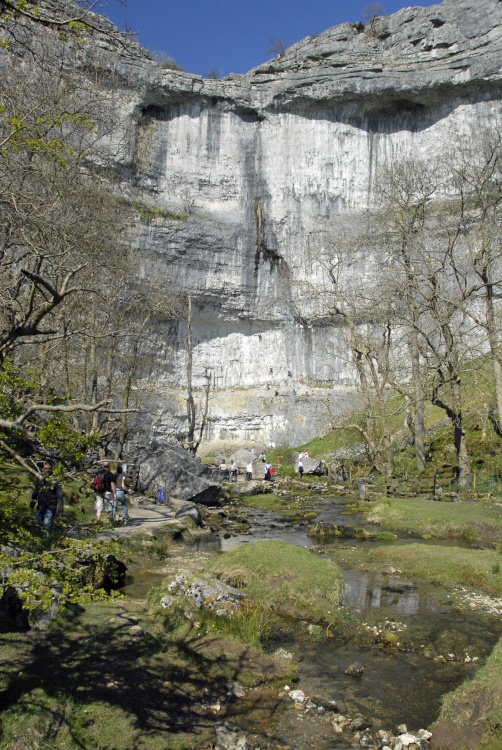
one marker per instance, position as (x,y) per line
(145,516)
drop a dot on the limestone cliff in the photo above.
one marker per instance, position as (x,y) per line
(271,166)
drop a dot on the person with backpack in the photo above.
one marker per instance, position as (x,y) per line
(48,496)
(120,494)
(105,490)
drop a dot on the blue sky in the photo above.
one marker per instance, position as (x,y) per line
(233,36)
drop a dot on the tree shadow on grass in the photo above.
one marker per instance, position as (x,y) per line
(163,685)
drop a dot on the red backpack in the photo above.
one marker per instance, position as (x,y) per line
(98,483)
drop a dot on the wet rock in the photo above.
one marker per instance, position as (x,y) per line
(355,670)
(188,510)
(231,738)
(236,690)
(281,653)
(113,574)
(359,722)
(298,696)
(322,530)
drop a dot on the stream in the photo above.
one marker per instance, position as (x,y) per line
(430,650)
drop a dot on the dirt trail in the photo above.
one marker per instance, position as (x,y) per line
(145,516)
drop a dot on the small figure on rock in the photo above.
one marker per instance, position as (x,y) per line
(249,471)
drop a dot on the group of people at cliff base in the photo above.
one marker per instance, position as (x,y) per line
(109,490)
(232,473)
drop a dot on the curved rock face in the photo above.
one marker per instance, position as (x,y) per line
(271,169)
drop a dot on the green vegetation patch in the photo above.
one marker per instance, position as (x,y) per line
(148,212)
(284,578)
(481,698)
(445,565)
(440,520)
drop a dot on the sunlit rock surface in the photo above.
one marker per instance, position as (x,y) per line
(272,169)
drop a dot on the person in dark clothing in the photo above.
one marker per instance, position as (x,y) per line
(107,494)
(48,496)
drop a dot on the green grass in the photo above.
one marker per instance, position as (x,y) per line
(429,518)
(148,212)
(284,578)
(447,566)
(483,444)
(480,697)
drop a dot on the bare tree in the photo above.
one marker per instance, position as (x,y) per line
(195,432)
(407,191)
(277,46)
(372,11)
(343,299)
(476,166)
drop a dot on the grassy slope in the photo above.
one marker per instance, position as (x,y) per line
(485,448)
(441,520)
(281,576)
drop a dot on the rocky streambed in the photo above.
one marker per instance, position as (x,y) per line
(377,680)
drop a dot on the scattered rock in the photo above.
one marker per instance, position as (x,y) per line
(231,738)
(355,670)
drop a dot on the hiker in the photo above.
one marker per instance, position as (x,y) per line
(300,469)
(120,494)
(249,471)
(104,487)
(48,496)
(161,496)
(234,470)
(268,467)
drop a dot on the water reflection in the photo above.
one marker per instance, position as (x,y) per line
(362,591)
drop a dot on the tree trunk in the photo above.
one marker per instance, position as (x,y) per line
(418,403)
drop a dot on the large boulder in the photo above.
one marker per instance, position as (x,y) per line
(183,476)
(314,466)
